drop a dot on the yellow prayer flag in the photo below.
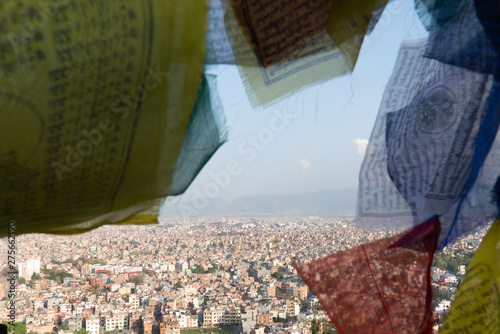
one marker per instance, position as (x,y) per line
(94,104)
(476,305)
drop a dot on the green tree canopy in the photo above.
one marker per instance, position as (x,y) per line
(54,274)
(277,275)
(18,327)
(136,279)
(198,269)
(81,331)
(36,276)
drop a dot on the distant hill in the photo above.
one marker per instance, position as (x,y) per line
(321,203)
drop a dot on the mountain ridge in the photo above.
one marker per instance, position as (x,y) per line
(320,203)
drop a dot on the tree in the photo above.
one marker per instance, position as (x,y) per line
(328,327)
(325,325)
(198,269)
(314,329)
(55,275)
(452,266)
(22,280)
(20,328)
(36,276)
(94,290)
(17,328)
(136,279)
(81,331)
(277,275)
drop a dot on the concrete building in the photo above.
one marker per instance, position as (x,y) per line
(300,292)
(264,319)
(116,321)
(74,323)
(187,320)
(166,328)
(232,317)
(213,317)
(28,267)
(181,266)
(92,324)
(134,300)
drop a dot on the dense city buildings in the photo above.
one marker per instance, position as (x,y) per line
(193,274)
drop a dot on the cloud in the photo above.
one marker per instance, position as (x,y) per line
(305,164)
(361,144)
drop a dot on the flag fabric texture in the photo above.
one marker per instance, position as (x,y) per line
(464,33)
(433,149)
(283,46)
(94,108)
(476,307)
(378,287)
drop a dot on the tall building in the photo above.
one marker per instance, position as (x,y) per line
(134,300)
(119,320)
(92,324)
(300,292)
(181,266)
(213,317)
(28,267)
(232,317)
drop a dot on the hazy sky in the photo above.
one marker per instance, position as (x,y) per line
(323,146)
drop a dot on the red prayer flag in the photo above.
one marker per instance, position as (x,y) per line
(382,287)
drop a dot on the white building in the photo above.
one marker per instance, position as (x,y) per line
(134,300)
(28,267)
(443,306)
(187,320)
(168,267)
(92,324)
(181,266)
(65,308)
(117,321)
(213,317)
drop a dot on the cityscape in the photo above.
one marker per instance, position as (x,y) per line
(193,275)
